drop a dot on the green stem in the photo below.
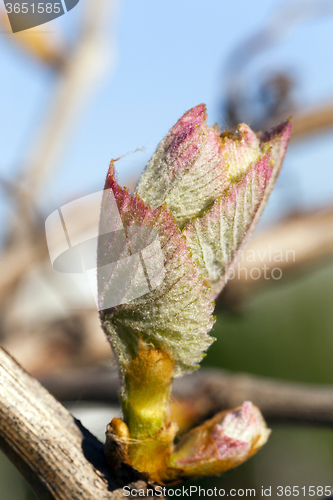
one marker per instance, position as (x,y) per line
(145,403)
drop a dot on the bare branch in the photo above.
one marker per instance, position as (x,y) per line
(313,121)
(58,457)
(211,390)
(82,70)
(302,241)
(215,390)
(78,77)
(17,260)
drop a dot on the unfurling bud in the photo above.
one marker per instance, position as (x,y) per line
(221,443)
(160,268)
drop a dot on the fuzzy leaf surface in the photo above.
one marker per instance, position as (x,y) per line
(217,236)
(221,443)
(188,170)
(176,316)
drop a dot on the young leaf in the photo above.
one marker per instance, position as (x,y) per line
(221,443)
(175,315)
(187,172)
(216,237)
(163,255)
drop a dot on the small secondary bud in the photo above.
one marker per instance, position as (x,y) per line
(221,443)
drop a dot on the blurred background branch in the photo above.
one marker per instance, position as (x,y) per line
(304,242)
(313,121)
(55,333)
(78,71)
(202,394)
(61,340)
(79,76)
(271,97)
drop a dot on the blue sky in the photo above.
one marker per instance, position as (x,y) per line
(171,55)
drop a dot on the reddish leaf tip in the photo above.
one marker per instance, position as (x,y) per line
(283,129)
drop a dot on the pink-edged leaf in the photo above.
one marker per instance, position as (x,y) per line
(216,237)
(188,170)
(174,312)
(221,443)
(240,150)
(276,141)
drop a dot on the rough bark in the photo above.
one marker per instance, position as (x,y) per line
(59,458)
